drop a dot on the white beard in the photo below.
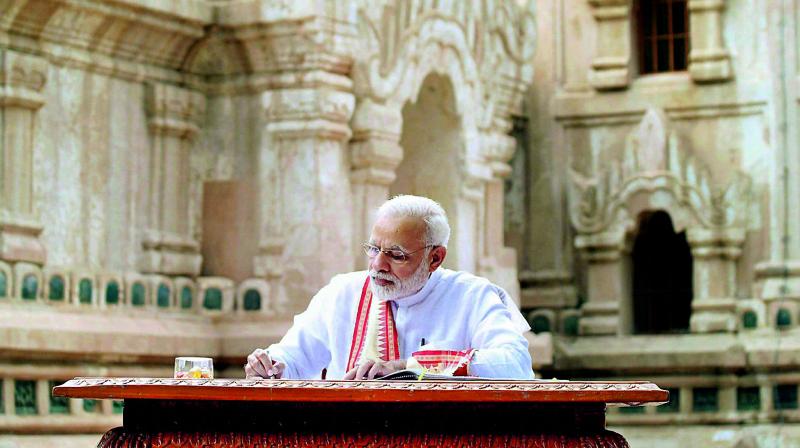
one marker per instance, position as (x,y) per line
(400,288)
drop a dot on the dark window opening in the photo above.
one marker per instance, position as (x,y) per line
(663,35)
(662,276)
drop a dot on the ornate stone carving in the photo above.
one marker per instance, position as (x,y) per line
(657,160)
(604,207)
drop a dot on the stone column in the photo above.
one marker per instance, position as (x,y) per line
(169,247)
(306,209)
(497,262)
(708,59)
(22,78)
(375,153)
(607,310)
(779,275)
(611,63)
(714,255)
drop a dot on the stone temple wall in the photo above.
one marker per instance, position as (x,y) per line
(180,177)
(713,146)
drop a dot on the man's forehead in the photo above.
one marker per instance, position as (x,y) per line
(397,231)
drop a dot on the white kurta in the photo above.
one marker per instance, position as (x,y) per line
(453,311)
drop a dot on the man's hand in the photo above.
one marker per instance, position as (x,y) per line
(260,365)
(371,369)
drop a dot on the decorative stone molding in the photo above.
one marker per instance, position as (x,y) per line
(109,284)
(135,293)
(213,291)
(611,63)
(709,60)
(155,289)
(85,288)
(28,282)
(263,289)
(55,292)
(6,281)
(169,247)
(185,288)
(122,37)
(22,79)
(604,207)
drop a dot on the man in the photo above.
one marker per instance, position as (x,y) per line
(364,325)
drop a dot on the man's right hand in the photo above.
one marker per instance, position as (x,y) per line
(260,365)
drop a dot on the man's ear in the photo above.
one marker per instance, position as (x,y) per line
(437,257)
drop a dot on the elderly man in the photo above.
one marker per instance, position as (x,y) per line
(367,324)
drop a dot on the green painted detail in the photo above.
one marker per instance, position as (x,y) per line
(571,326)
(784,396)
(186,297)
(748,399)
(749,320)
(674,403)
(56,288)
(252,300)
(213,299)
(163,296)
(89,405)
(784,318)
(117,406)
(25,397)
(705,399)
(631,410)
(539,324)
(112,293)
(137,294)
(85,291)
(3,285)
(58,405)
(2,402)
(30,286)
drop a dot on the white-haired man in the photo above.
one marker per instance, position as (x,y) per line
(367,324)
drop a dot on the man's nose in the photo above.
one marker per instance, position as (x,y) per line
(381,263)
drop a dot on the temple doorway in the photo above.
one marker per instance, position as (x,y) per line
(432,142)
(662,276)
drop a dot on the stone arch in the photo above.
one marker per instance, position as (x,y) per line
(404,44)
(658,171)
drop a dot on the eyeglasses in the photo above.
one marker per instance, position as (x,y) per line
(396,256)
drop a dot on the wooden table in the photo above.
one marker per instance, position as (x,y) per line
(161,412)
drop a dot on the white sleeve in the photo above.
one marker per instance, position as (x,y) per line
(501,351)
(304,349)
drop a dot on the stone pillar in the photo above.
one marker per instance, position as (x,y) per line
(611,63)
(375,153)
(714,255)
(306,210)
(779,275)
(497,262)
(22,78)
(608,305)
(708,59)
(169,247)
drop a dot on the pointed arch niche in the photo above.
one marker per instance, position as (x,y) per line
(436,85)
(657,176)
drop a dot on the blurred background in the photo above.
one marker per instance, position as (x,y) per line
(179,177)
